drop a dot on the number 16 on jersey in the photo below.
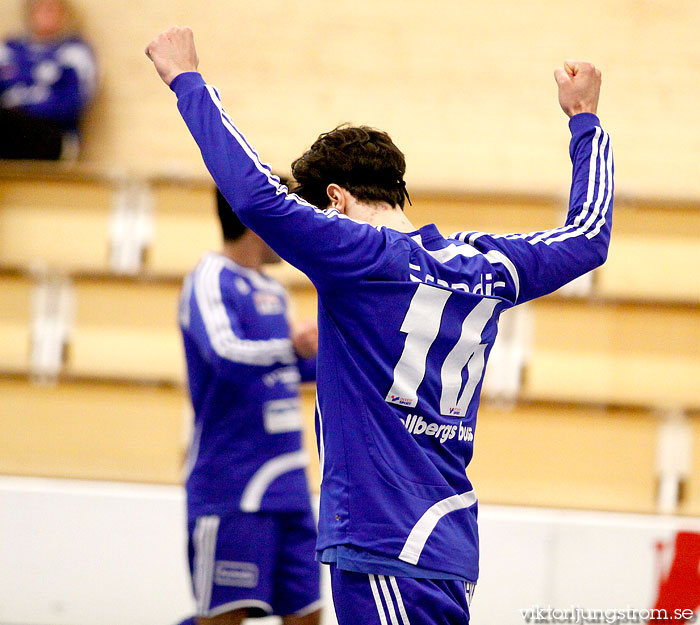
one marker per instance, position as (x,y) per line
(421,325)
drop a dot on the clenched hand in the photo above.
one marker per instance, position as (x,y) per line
(173,52)
(579,87)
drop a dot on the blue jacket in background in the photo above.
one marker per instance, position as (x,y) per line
(52,81)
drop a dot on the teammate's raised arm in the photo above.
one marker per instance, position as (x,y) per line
(173,52)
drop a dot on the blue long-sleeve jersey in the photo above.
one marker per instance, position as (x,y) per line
(406,323)
(246,451)
(52,81)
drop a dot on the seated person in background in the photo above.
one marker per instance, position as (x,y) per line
(47,77)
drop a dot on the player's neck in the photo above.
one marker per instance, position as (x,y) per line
(380,214)
(244,252)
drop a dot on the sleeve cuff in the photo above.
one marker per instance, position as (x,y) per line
(186,82)
(582,122)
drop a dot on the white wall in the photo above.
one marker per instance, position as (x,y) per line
(91,553)
(560,559)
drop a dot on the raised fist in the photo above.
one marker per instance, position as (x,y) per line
(579,87)
(173,52)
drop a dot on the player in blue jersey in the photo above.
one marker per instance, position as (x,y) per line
(251,527)
(47,78)
(407,318)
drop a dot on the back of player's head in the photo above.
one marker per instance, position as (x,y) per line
(362,160)
(231,226)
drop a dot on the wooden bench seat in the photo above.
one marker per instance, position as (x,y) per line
(185,226)
(574,457)
(126,329)
(54,216)
(529,454)
(61,218)
(92,431)
(15,323)
(652,268)
(630,354)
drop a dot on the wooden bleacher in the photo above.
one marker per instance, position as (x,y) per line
(185,225)
(654,250)
(551,454)
(601,368)
(15,331)
(126,330)
(632,354)
(54,216)
(84,430)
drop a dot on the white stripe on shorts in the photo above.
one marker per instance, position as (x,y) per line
(389,600)
(469,588)
(377,600)
(399,601)
(205,533)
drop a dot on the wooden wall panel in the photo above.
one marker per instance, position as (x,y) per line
(465,88)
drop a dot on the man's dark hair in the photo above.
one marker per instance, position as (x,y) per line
(231,226)
(362,160)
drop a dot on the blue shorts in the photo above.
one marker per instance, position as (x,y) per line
(388,600)
(262,561)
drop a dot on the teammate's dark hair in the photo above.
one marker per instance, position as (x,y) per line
(362,160)
(231,226)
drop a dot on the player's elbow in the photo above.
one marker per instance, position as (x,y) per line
(590,257)
(601,254)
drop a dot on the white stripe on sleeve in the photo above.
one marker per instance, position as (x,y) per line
(590,219)
(248,149)
(594,219)
(225,343)
(609,186)
(264,169)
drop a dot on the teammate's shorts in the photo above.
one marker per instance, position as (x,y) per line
(388,600)
(263,562)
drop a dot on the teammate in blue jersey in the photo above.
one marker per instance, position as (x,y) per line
(251,527)
(47,78)
(407,318)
